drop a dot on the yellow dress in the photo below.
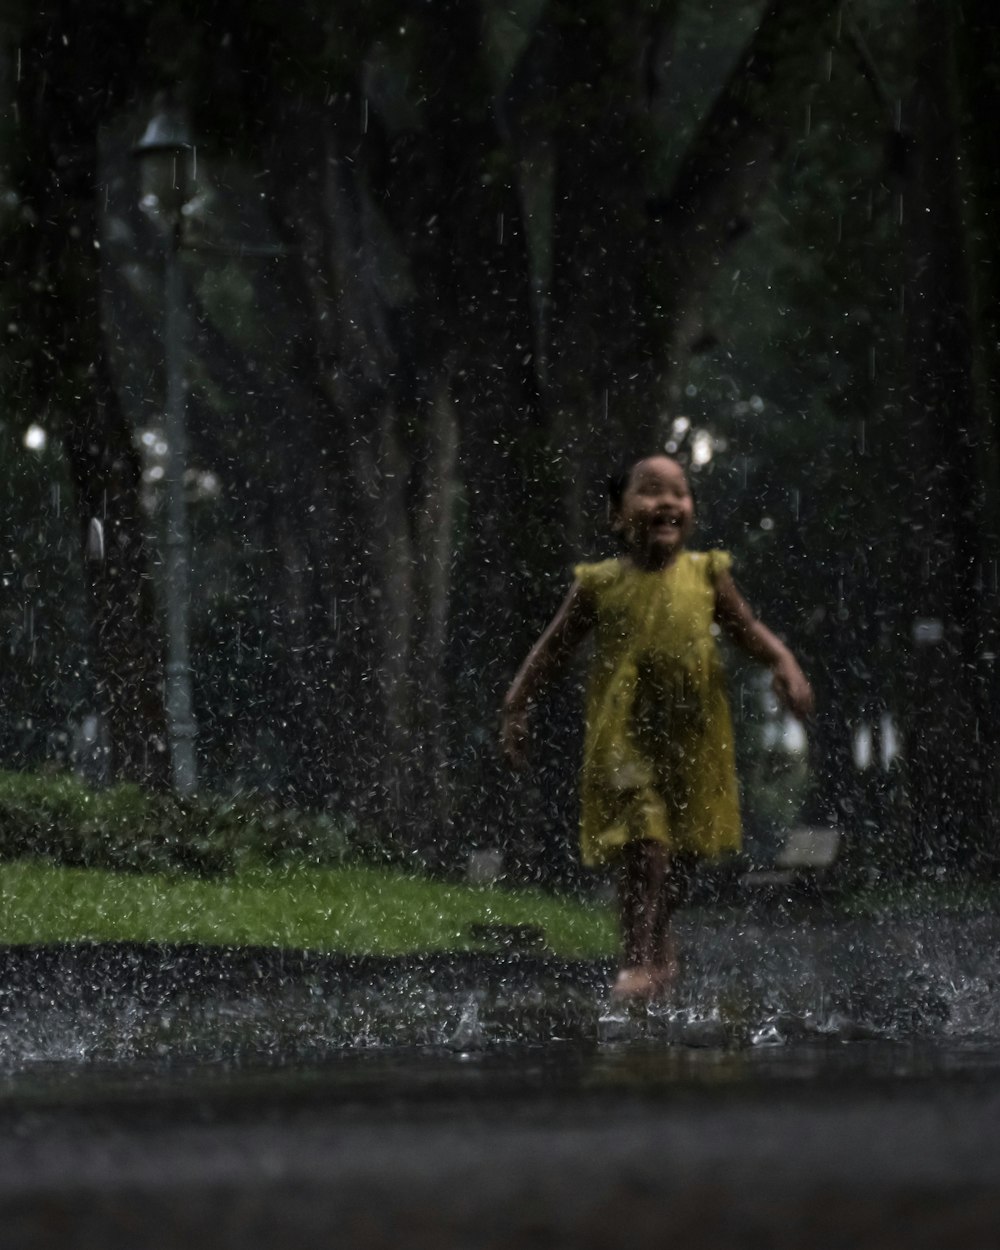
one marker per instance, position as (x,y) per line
(658,753)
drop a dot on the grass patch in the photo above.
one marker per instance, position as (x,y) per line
(125,864)
(960,894)
(59,818)
(354,909)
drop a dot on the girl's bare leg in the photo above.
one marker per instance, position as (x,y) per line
(664,965)
(664,962)
(642,877)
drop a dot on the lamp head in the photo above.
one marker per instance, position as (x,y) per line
(165,154)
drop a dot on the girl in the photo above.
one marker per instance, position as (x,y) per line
(658,783)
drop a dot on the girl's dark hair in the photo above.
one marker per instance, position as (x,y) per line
(618,481)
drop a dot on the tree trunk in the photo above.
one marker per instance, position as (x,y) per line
(977,56)
(434,527)
(946,556)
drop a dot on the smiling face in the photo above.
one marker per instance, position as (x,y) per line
(656,512)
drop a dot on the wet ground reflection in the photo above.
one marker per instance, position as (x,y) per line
(402,1078)
(818,1143)
(860,1144)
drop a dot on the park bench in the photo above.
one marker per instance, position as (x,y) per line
(805,859)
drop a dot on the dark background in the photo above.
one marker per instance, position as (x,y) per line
(446,263)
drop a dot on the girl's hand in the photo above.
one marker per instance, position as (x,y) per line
(514,736)
(792,687)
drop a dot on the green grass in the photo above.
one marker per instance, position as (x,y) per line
(359,910)
(59,818)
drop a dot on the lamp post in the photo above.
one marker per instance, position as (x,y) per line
(164,154)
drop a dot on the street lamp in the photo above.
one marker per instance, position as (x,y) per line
(165,156)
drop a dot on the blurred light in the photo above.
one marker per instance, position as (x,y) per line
(889,740)
(680,427)
(766,523)
(35,438)
(863,746)
(197,205)
(927,630)
(701,448)
(793,736)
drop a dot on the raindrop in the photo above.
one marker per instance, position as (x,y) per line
(95,539)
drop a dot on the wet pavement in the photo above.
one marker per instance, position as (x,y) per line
(275,1100)
(746,981)
(847,1144)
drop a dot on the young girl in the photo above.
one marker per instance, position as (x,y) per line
(658,783)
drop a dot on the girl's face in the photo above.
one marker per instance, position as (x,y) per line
(657,511)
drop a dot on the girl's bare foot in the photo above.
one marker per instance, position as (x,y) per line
(633,983)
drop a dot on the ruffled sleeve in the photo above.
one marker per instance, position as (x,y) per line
(593,578)
(719,562)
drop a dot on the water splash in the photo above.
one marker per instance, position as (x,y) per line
(753,985)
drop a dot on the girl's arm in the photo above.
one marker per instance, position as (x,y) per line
(737,618)
(564,633)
